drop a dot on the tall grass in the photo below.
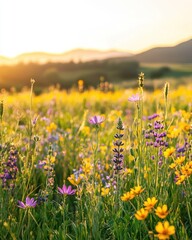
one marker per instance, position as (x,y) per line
(48,142)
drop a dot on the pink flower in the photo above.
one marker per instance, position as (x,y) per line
(29,203)
(134,98)
(96,120)
(66,190)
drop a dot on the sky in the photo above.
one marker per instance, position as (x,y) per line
(57,26)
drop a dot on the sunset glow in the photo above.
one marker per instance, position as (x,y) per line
(60,25)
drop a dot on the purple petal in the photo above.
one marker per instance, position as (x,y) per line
(60,190)
(21,204)
(64,188)
(96,120)
(69,189)
(28,201)
(73,192)
(33,204)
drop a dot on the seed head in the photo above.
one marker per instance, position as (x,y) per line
(141,80)
(166,90)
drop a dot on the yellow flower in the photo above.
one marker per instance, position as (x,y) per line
(128,171)
(186,170)
(150,203)
(52,159)
(87,166)
(180,160)
(127,196)
(190,164)
(164,230)
(106,166)
(73,180)
(180,179)
(52,127)
(86,130)
(169,152)
(172,165)
(185,115)
(103,149)
(137,190)
(161,212)
(184,126)
(173,132)
(104,191)
(141,214)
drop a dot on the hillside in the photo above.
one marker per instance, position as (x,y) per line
(181,53)
(75,55)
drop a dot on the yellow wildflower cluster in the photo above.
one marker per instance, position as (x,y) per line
(149,204)
(182,171)
(74,180)
(173,132)
(87,166)
(52,127)
(132,193)
(85,130)
(185,115)
(164,230)
(183,126)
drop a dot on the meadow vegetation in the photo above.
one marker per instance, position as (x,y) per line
(97,164)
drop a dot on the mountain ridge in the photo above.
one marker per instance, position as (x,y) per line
(180,53)
(72,55)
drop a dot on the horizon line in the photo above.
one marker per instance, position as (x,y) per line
(97,49)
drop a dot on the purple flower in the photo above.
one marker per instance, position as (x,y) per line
(10,169)
(96,120)
(155,115)
(134,98)
(29,203)
(34,121)
(40,164)
(66,190)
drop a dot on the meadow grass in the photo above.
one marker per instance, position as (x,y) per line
(129,168)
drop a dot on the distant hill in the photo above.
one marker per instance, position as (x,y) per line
(75,55)
(181,53)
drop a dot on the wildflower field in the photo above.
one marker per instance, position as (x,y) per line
(96,165)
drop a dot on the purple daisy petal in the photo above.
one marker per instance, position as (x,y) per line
(21,204)
(96,120)
(28,201)
(64,188)
(60,190)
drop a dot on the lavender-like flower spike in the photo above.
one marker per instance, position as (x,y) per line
(29,203)
(66,190)
(118,156)
(96,120)
(10,169)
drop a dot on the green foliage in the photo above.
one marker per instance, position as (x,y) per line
(51,139)
(161,72)
(67,74)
